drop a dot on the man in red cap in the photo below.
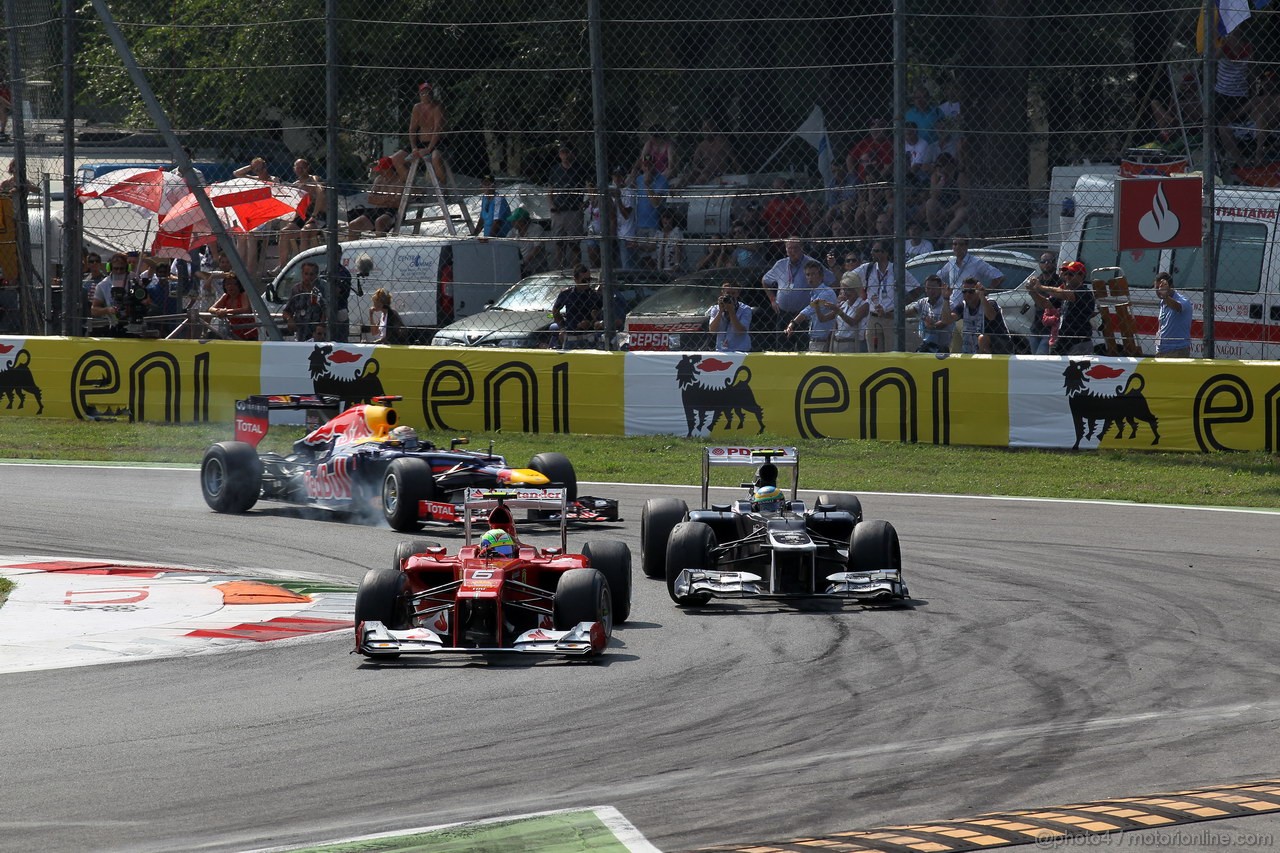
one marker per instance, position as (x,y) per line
(426,129)
(379,213)
(1075,306)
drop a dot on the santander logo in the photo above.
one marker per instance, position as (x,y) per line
(1159,224)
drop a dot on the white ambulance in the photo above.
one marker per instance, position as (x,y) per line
(1247,293)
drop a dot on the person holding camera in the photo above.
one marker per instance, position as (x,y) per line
(730,320)
(118,300)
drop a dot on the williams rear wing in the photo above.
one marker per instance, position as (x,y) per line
(781,457)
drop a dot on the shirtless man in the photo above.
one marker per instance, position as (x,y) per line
(303,234)
(380,211)
(426,125)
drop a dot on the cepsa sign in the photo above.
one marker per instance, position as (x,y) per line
(1158,213)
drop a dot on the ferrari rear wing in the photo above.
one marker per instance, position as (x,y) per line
(253,414)
(782,457)
(555,500)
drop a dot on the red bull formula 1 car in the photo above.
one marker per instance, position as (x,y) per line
(497,594)
(362,461)
(768,544)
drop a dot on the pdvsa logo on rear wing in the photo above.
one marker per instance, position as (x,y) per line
(731,455)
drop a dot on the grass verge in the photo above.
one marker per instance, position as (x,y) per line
(1221,479)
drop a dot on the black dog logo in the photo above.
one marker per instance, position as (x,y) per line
(16,380)
(1127,405)
(706,404)
(360,388)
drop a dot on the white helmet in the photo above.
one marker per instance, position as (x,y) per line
(405,436)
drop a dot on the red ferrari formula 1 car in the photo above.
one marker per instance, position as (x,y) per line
(363,461)
(497,594)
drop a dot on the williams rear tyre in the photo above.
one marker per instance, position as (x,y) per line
(658,518)
(874,547)
(557,468)
(405,483)
(231,477)
(613,560)
(582,595)
(405,550)
(381,597)
(846,503)
(690,546)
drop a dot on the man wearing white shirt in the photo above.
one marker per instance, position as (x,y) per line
(964,265)
(878,277)
(916,244)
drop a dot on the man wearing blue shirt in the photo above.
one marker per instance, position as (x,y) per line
(494,211)
(1174,339)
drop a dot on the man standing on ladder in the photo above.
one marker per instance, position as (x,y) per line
(426,125)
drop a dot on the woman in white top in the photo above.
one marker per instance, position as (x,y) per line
(669,253)
(852,310)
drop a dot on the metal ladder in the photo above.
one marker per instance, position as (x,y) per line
(438,193)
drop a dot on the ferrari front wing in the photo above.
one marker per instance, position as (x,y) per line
(374,639)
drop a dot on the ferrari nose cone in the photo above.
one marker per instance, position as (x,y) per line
(522,477)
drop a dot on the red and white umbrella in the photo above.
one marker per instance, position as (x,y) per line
(155,190)
(242,204)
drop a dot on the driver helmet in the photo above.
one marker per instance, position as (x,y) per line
(497,543)
(767,499)
(406,436)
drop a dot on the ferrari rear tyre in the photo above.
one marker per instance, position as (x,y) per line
(405,550)
(873,547)
(231,477)
(380,597)
(847,503)
(658,518)
(559,470)
(690,547)
(405,483)
(613,560)
(582,595)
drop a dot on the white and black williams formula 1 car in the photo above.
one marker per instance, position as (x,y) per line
(768,544)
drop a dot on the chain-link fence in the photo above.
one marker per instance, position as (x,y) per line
(673,152)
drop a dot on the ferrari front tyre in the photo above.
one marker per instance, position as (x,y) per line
(691,546)
(406,482)
(231,477)
(557,468)
(582,595)
(846,503)
(613,560)
(658,518)
(405,550)
(380,598)
(874,547)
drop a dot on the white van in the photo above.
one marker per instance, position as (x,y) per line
(432,280)
(1247,293)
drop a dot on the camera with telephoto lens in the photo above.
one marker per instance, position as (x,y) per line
(132,302)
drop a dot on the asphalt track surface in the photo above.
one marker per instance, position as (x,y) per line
(1055,653)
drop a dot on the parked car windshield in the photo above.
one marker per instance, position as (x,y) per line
(536,293)
(680,298)
(1014,266)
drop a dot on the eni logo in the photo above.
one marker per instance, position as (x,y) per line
(1159,224)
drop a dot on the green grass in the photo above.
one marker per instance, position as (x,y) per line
(1234,479)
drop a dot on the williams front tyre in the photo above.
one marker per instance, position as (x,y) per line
(691,546)
(658,518)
